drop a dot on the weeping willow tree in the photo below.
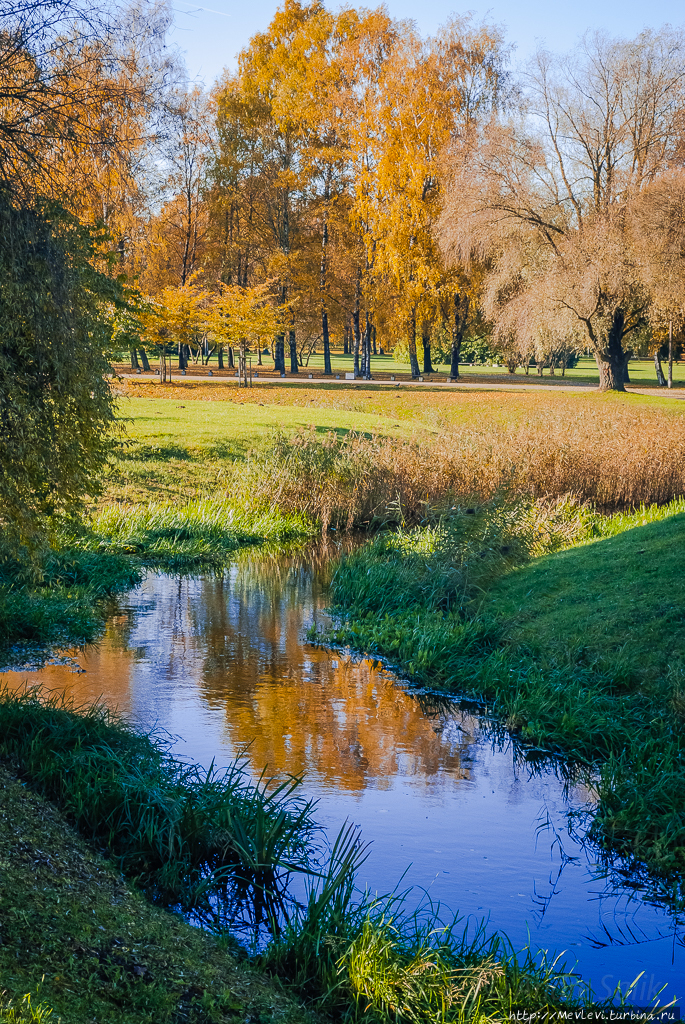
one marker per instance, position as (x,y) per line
(56,408)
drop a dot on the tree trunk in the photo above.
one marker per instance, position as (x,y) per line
(134,360)
(458,324)
(231,360)
(426,341)
(413,360)
(259,352)
(292,340)
(322,288)
(279,353)
(326,343)
(346,341)
(279,347)
(540,364)
(356,330)
(373,336)
(181,356)
(670,353)
(612,361)
(367,347)
(611,377)
(220,357)
(660,379)
(144,360)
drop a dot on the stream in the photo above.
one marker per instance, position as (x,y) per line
(222,664)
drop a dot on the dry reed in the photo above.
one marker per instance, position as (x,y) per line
(615,457)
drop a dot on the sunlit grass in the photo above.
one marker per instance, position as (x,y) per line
(201,533)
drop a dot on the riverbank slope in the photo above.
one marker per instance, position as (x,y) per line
(578,652)
(77,937)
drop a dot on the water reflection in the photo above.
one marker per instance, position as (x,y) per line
(220,662)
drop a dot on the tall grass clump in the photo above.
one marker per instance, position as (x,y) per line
(456,556)
(198,533)
(25,1012)
(361,481)
(186,835)
(360,957)
(55,596)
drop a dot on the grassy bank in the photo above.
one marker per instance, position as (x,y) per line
(87,946)
(102,951)
(196,478)
(56,597)
(578,651)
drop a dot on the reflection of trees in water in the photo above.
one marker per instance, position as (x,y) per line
(344,722)
(301,708)
(240,636)
(271,562)
(236,638)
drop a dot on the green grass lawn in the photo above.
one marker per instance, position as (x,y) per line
(621,598)
(181,449)
(85,944)
(220,426)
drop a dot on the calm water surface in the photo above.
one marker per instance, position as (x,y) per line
(222,663)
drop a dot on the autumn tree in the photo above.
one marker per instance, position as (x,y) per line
(237,316)
(176,242)
(546,193)
(82,85)
(429,94)
(266,70)
(73,98)
(239,234)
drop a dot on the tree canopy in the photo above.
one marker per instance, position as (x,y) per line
(552,195)
(55,404)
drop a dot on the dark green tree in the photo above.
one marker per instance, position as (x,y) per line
(56,408)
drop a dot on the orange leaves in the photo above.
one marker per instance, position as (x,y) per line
(188,314)
(237,315)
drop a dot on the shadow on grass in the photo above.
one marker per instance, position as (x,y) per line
(138,452)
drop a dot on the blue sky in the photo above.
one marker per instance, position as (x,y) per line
(212,36)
